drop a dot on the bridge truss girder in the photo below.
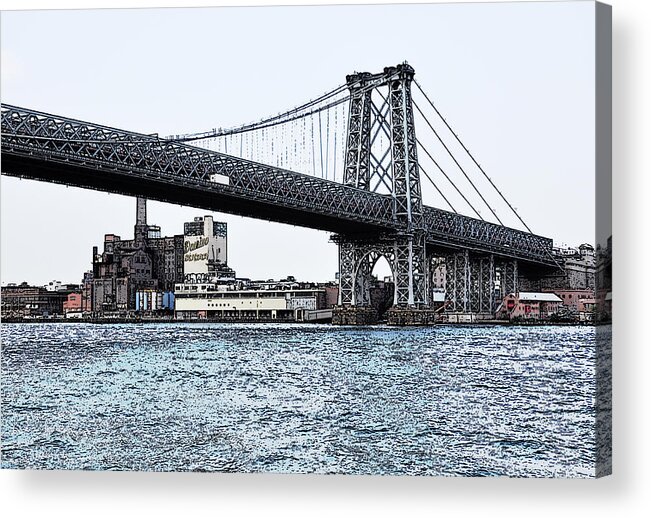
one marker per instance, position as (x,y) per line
(59,149)
(34,141)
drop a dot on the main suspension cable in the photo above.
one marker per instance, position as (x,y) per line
(471,156)
(436,187)
(456,162)
(262,123)
(288,116)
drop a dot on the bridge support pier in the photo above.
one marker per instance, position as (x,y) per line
(472,282)
(508,277)
(357,257)
(472,278)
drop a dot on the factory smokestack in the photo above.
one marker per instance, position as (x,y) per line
(141,211)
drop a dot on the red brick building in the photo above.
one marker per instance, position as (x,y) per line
(529,305)
(573,299)
(73,305)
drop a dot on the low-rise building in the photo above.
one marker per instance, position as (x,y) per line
(25,301)
(604,281)
(332,294)
(587,310)
(73,305)
(266,303)
(572,299)
(530,306)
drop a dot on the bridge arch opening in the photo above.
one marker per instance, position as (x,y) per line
(382,270)
(375,282)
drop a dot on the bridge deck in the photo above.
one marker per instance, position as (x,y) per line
(58,149)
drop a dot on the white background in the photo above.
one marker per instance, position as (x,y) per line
(624,494)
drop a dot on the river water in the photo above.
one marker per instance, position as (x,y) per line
(444,400)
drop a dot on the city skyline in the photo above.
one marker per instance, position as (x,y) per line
(488,89)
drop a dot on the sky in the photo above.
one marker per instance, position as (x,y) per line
(515,80)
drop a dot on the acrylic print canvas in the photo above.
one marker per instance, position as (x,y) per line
(322,239)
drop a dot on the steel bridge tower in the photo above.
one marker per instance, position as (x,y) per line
(381,104)
(365,169)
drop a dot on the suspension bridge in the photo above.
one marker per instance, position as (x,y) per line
(348,162)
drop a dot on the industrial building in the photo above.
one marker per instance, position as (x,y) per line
(146,262)
(139,274)
(211,290)
(205,254)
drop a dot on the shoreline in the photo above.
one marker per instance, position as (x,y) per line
(139,321)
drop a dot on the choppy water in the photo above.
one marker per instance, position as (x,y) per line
(472,401)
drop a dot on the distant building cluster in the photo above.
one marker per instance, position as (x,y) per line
(184,276)
(579,269)
(187,276)
(22,301)
(579,291)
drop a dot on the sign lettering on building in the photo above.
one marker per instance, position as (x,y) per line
(198,250)
(189,246)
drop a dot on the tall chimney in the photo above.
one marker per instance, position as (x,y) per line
(141,211)
(140,229)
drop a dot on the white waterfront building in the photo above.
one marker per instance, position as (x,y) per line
(218,301)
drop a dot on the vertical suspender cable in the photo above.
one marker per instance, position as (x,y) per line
(313,155)
(286,146)
(313,151)
(304,148)
(327,141)
(256,147)
(320,145)
(334,152)
(294,139)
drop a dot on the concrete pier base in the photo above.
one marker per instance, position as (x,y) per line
(411,317)
(354,315)
(464,318)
